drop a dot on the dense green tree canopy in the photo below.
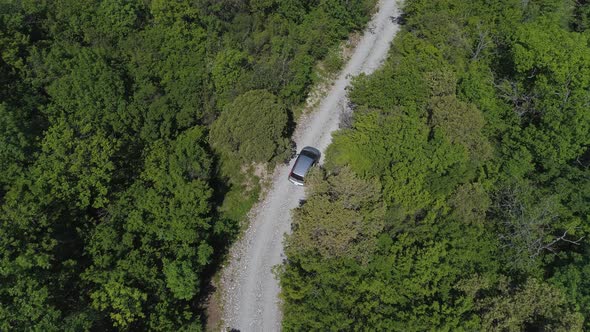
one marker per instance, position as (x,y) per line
(252,128)
(475,136)
(115,210)
(457,199)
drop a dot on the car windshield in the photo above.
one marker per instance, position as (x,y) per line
(309,154)
(296,177)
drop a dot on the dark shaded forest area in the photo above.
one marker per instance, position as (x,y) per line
(120,184)
(459,198)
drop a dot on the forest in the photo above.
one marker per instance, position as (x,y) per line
(458,199)
(127,129)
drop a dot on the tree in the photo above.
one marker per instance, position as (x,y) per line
(553,69)
(572,281)
(253,128)
(76,169)
(14,145)
(148,256)
(227,72)
(532,224)
(339,219)
(462,124)
(535,305)
(26,258)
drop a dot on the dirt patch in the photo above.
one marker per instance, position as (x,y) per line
(257,176)
(214,312)
(347,48)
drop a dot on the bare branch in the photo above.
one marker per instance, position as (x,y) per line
(563,238)
(482,43)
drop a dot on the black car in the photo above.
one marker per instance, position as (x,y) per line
(305,160)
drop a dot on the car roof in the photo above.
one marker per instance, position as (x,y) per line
(302,165)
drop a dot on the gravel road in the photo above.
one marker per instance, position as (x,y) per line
(250,292)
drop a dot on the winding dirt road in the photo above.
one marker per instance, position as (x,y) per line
(250,292)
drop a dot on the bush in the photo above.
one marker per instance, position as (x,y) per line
(252,128)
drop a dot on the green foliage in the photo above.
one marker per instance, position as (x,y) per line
(362,275)
(340,218)
(573,282)
(553,92)
(470,203)
(581,17)
(535,305)
(253,129)
(156,242)
(462,124)
(30,275)
(228,72)
(475,133)
(115,211)
(529,223)
(86,91)
(19,123)
(396,148)
(74,169)
(333,62)
(13,144)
